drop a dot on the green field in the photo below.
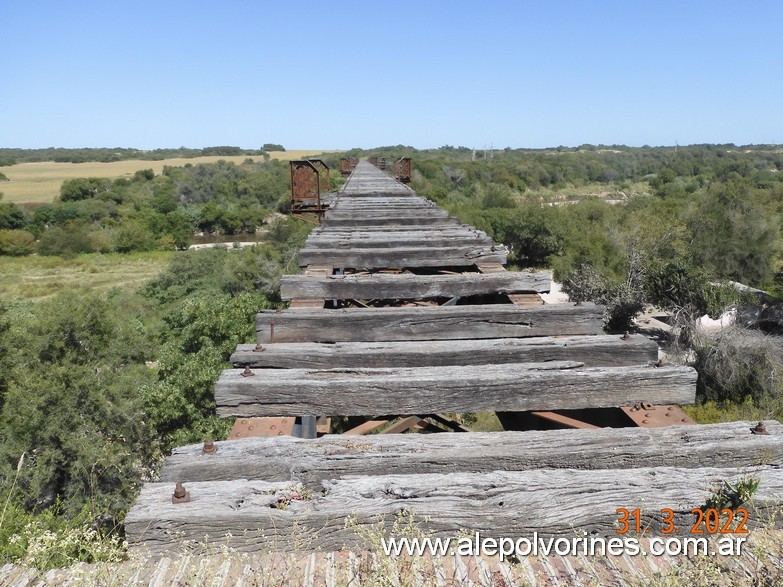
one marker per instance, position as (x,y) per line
(35,278)
(40,182)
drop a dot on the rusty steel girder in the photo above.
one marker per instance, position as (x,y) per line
(323,174)
(402,169)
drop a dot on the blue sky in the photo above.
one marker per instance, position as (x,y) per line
(361,74)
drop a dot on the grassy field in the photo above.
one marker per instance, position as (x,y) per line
(40,182)
(35,278)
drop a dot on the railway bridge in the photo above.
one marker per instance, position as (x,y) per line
(402,319)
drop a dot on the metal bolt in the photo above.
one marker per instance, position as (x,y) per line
(180,495)
(626,336)
(760,429)
(259,349)
(247,372)
(645,421)
(209,447)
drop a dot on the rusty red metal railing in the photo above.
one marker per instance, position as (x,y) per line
(323,174)
(308,179)
(347,165)
(402,169)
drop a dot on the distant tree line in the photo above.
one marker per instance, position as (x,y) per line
(11,156)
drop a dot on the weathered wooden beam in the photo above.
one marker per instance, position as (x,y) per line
(396,230)
(422,390)
(316,243)
(401,212)
(436,323)
(251,515)
(335,456)
(593,351)
(422,256)
(389,220)
(379,286)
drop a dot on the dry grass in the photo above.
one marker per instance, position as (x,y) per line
(35,278)
(40,182)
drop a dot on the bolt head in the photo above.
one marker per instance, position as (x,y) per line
(180,495)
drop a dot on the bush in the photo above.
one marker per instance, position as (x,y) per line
(132,236)
(72,405)
(82,188)
(621,301)
(47,540)
(16,242)
(739,363)
(66,241)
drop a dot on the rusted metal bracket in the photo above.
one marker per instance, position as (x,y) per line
(347,165)
(306,190)
(402,170)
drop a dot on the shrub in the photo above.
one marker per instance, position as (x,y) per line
(72,405)
(82,188)
(621,301)
(132,236)
(738,363)
(16,242)
(47,540)
(66,241)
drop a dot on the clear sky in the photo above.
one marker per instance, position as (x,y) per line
(336,75)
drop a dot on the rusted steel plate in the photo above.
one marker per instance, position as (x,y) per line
(649,416)
(249,427)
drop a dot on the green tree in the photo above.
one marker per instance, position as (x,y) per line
(735,235)
(16,242)
(71,405)
(82,188)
